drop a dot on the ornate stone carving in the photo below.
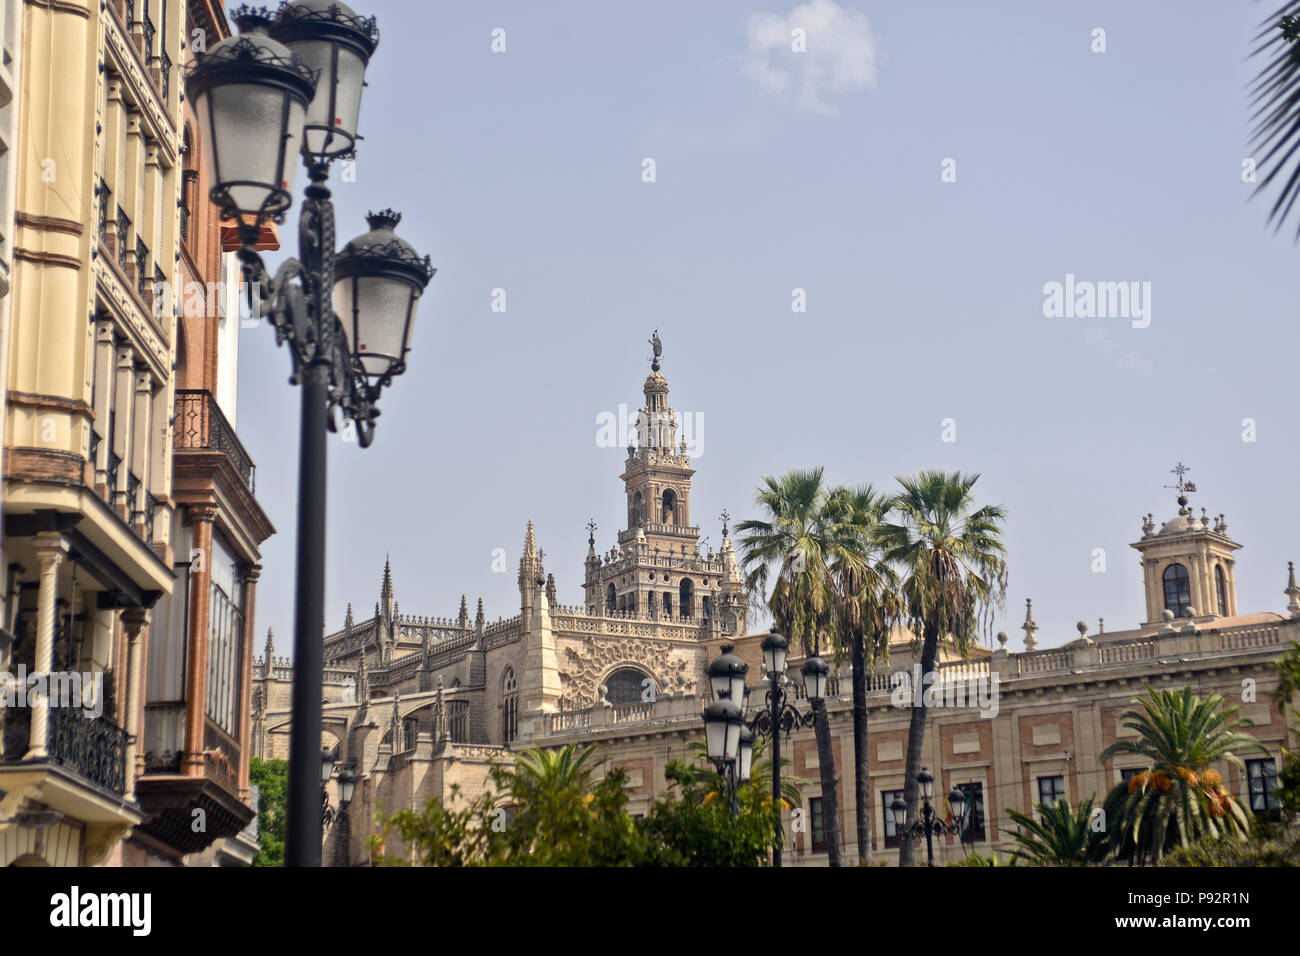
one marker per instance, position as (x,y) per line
(582,674)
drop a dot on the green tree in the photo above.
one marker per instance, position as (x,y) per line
(1061,836)
(868,604)
(950,555)
(563,816)
(794,538)
(271,777)
(1180,799)
(693,824)
(1288,777)
(1275,99)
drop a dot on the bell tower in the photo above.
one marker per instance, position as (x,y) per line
(1187,566)
(656,570)
(657,474)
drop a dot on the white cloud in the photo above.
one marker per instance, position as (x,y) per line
(1099,339)
(840,54)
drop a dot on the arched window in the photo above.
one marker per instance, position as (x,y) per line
(637,513)
(627,685)
(509,705)
(1221,590)
(670,507)
(611,599)
(1178,590)
(686,598)
(668,603)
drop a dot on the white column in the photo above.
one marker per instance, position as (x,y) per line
(133,623)
(50,549)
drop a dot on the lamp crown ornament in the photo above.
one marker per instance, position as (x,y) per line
(384,219)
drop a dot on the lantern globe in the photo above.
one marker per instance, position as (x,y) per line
(330,38)
(326,764)
(250,95)
(746,754)
(899,810)
(723,722)
(926,780)
(378,280)
(816,673)
(347,784)
(957,801)
(727,676)
(775,649)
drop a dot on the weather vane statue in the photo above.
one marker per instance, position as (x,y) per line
(1183,487)
(658,351)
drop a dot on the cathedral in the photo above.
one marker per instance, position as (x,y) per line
(416,705)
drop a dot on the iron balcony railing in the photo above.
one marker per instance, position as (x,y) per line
(104,195)
(92,748)
(165,77)
(141,267)
(114,466)
(147,29)
(201,425)
(130,14)
(123,230)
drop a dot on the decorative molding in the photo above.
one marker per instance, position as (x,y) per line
(581,680)
(48,258)
(61,6)
(49,223)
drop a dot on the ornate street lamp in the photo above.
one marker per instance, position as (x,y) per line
(727,676)
(778,716)
(290,85)
(929,825)
(336,44)
(250,94)
(724,723)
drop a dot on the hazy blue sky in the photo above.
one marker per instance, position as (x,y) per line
(822,171)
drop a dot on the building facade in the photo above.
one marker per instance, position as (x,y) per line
(417,705)
(130,527)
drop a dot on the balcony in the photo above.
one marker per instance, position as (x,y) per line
(93,749)
(170,793)
(202,426)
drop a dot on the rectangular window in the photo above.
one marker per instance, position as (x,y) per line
(1128,773)
(1051,789)
(817,825)
(225,638)
(890,830)
(1261,777)
(973,830)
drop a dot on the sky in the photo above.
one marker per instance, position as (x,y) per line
(921,171)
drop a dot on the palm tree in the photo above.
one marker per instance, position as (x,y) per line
(950,556)
(794,539)
(1061,836)
(1275,97)
(1179,799)
(867,598)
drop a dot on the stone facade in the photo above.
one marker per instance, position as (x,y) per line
(417,704)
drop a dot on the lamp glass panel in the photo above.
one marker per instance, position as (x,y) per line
(346,86)
(245,120)
(379,307)
(715,733)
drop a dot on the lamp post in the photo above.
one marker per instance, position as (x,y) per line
(778,716)
(290,85)
(929,824)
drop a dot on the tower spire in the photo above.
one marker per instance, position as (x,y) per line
(1292,591)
